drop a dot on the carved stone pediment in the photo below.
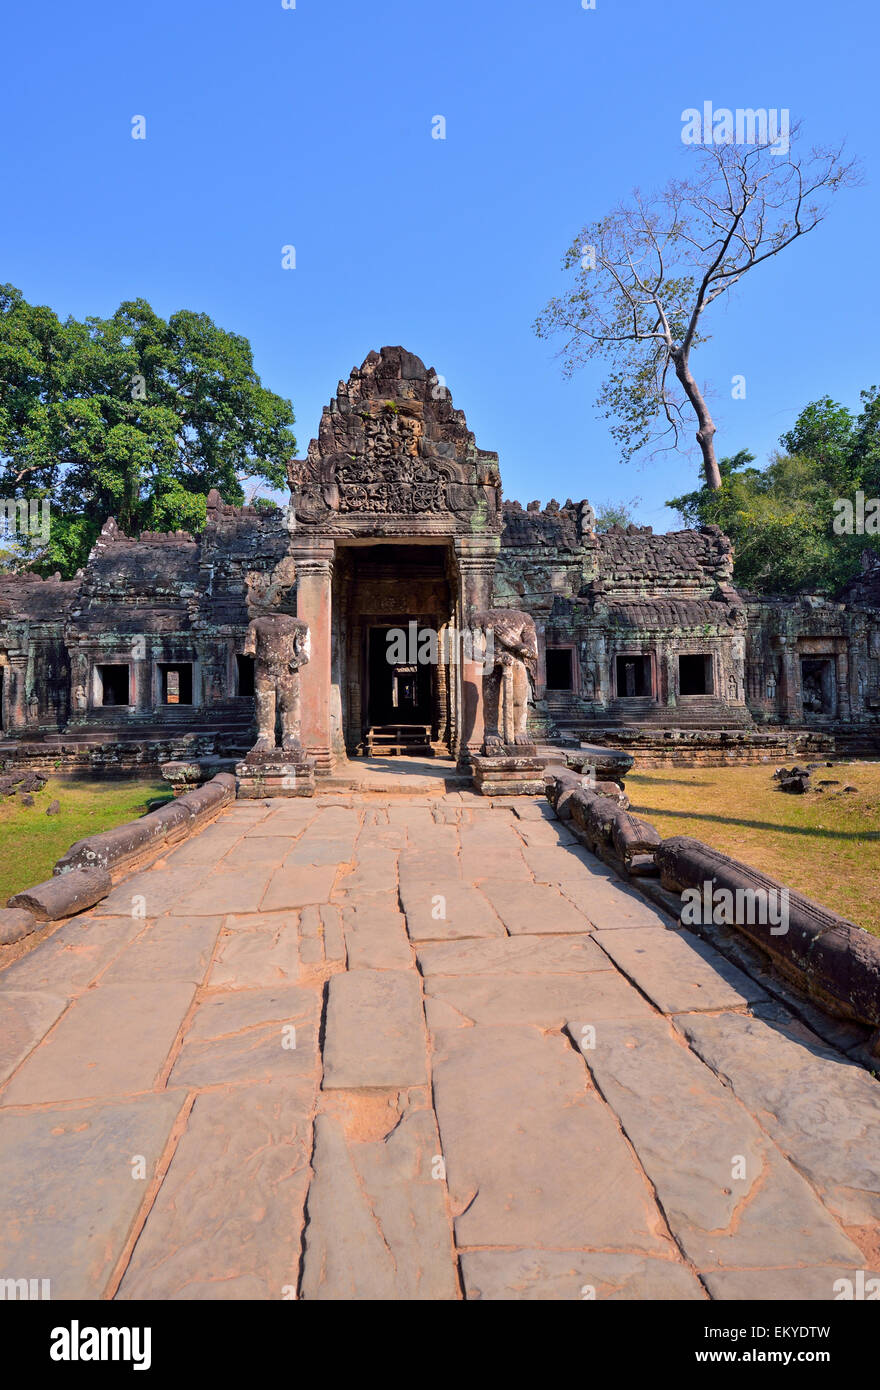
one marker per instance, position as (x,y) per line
(392,454)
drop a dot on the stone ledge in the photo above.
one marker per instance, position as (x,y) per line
(65,895)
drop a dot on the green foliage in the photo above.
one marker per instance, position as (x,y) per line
(781,518)
(610,514)
(132,416)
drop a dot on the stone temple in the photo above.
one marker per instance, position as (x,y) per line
(397,521)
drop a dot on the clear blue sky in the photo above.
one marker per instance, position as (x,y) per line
(312,127)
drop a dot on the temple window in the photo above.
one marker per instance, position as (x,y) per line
(560,668)
(112,687)
(175,682)
(695,674)
(245,674)
(633,671)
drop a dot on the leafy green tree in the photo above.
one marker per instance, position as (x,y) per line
(611,514)
(781,519)
(131,416)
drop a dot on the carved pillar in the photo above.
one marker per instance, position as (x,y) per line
(791,692)
(314,573)
(476,556)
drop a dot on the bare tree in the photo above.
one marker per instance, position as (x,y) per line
(647,273)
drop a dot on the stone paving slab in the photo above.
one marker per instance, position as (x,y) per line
(610,904)
(25,1016)
(171,948)
(158,890)
(228,891)
(546,1000)
(68,1198)
(533,1156)
(375,934)
(827,1282)
(112,1041)
(513,955)
(678,972)
(375,1033)
(533,1275)
(378,1226)
(227,1223)
(447,910)
(532,907)
(694,1140)
(74,955)
(823,1111)
(263,953)
(245,1035)
(295,886)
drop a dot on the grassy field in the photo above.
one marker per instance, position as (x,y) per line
(826,844)
(31,841)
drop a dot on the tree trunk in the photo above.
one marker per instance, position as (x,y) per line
(706,431)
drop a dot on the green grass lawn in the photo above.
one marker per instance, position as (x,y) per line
(825,844)
(31,841)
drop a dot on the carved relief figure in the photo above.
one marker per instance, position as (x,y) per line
(279,644)
(512,649)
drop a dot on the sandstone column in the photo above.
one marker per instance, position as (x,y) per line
(314,573)
(476,556)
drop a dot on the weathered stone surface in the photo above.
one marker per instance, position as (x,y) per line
(693,1139)
(227,1223)
(228,890)
(172,948)
(677,971)
(533,1156)
(447,910)
(821,1283)
(378,1227)
(74,955)
(375,934)
(375,1032)
(822,1110)
(63,895)
(25,1015)
(15,923)
(297,886)
(546,1000)
(513,955)
(68,1199)
(250,1035)
(113,1040)
(610,905)
(261,955)
(531,1275)
(532,908)
(162,889)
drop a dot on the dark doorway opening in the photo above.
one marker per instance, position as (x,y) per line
(245,674)
(818,685)
(695,675)
(560,668)
(175,683)
(633,677)
(113,685)
(400,692)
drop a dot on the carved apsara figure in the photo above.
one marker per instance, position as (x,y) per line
(509,668)
(279,644)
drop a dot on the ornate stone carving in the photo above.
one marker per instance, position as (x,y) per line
(512,650)
(279,644)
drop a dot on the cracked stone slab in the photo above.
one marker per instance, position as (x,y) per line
(259,955)
(378,1227)
(375,934)
(565,864)
(729,1196)
(298,886)
(513,955)
(531,1275)
(447,910)
(227,1222)
(228,891)
(68,1199)
(74,955)
(171,948)
(533,1156)
(530,908)
(678,972)
(245,1035)
(610,904)
(375,1032)
(545,1000)
(25,1016)
(822,1110)
(158,890)
(791,1285)
(113,1040)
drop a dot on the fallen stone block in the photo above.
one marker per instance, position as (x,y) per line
(632,836)
(64,895)
(834,960)
(15,922)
